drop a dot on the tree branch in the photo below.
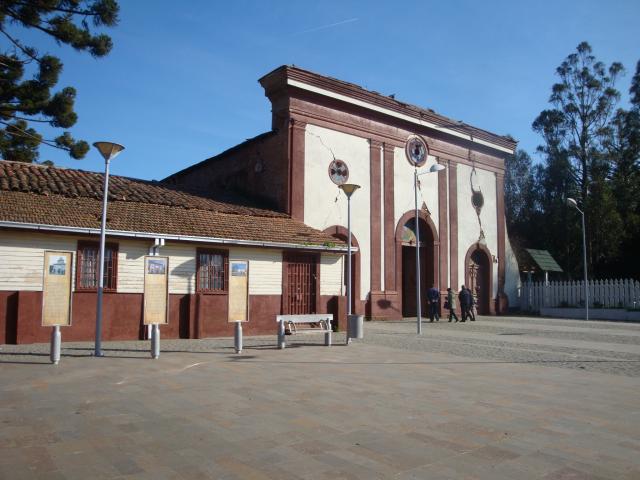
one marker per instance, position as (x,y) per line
(27,119)
(19,46)
(26,134)
(89,13)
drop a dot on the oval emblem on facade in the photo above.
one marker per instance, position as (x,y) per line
(338,172)
(416,150)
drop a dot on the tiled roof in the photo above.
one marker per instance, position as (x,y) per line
(73,198)
(71,183)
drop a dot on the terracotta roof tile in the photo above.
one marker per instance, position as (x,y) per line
(73,198)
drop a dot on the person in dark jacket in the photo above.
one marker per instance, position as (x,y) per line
(472,306)
(433,297)
(451,303)
(465,303)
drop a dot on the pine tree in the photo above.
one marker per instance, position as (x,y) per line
(24,102)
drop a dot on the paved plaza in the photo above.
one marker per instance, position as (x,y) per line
(500,398)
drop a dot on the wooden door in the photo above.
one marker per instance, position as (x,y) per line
(409,305)
(300,283)
(480,280)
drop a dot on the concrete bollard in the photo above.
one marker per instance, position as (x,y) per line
(238,337)
(56,339)
(355,327)
(155,341)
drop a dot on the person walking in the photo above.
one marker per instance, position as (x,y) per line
(451,304)
(472,305)
(433,296)
(463,295)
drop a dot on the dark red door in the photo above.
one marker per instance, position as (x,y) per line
(300,282)
(480,280)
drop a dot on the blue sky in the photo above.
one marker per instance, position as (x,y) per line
(181,82)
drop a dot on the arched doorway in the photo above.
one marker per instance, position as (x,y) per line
(406,254)
(342,234)
(479,276)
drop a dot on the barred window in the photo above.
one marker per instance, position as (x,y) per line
(87,266)
(212,271)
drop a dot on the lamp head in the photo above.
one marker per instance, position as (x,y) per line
(349,188)
(108,150)
(572,203)
(436,167)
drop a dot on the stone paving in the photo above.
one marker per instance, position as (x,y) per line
(496,399)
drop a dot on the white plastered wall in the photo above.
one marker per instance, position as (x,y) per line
(468,227)
(22,258)
(182,266)
(265,269)
(403,193)
(325,204)
(331,274)
(512,274)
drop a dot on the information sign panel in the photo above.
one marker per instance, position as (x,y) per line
(56,289)
(156,290)
(239,291)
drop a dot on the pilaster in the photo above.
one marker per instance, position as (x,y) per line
(453,225)
(297,131)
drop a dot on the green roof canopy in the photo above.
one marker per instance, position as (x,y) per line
(544,260)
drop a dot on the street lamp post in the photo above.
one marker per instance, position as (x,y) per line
(108,150)
(434,168)
(572,203)
(349,189)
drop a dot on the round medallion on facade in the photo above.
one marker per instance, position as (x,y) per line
(338,172)
(416,150)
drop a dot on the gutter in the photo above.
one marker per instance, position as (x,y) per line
(178,238)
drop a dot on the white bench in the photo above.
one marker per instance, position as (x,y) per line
(295,324)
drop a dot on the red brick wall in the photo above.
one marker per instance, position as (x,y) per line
(257,168)
(8,316)
(190,316)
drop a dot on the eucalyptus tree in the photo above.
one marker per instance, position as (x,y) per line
(576,133)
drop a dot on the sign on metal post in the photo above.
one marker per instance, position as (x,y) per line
(156,290)
(238,297)
(56,297)
(239,291)
(56,289)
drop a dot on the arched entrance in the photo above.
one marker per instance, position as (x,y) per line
(342,234)
(479,276)
(406,254)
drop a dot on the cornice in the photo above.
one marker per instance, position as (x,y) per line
(296,77)
(437,148)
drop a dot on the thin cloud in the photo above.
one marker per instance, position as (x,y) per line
(323,27)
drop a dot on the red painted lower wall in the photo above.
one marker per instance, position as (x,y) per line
(190,316)
(8,317)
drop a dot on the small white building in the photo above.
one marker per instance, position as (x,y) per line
(55,209)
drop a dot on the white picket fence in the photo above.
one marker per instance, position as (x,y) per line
(604,293)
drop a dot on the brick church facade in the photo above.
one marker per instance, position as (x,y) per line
(317,120)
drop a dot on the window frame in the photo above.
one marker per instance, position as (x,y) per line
(82,244)
(225,279)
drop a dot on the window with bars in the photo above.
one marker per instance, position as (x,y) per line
(212,268)
(87,266)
